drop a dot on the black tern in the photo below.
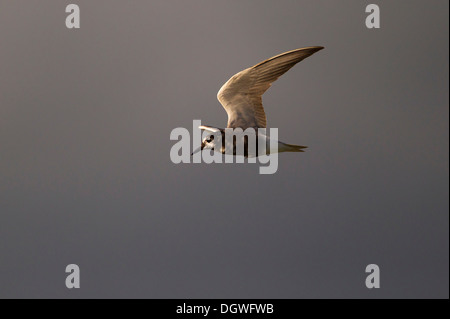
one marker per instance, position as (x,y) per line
(241,97)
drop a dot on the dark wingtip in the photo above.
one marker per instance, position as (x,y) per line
(318,48)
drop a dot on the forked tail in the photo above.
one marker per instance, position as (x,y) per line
(291,148)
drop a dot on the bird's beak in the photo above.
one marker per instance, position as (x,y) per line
(197,150)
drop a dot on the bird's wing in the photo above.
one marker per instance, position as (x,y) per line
(241,95)
(209,128)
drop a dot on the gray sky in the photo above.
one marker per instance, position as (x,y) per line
(86,178)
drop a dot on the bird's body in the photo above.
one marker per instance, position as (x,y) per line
(241,97)
(263,144)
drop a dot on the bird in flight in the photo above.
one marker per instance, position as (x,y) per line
(241,97)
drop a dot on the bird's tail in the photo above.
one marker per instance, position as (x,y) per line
(291,148)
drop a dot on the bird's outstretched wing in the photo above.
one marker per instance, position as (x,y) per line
(209,128)
(241,95)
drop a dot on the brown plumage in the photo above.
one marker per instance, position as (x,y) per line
(241,95)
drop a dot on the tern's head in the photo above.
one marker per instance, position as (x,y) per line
(208,142)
